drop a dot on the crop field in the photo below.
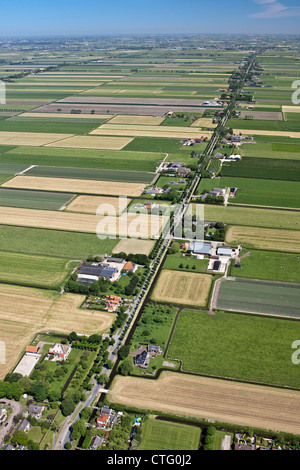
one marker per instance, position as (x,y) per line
(263,297)
(98,205)
(57,243)
(137,120)
(33,199)
(91,174)
(255,217)
(244,351)
(76,117)
(25,311)
(221,400)
(255,132)
(79,158)
(264,192)
(161,435)
(265,238)
(109,188)
(32,270)
(265,125)
(34,139)
(274,266)
(135,226)
(88,142)
(265,168)
(129,245)
(182,288)
(150,131)
(269,150)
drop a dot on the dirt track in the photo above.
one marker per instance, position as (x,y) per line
(225,401)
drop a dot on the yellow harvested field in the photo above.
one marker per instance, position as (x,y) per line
(64,115)
(150,131)
(88,142)
(291,109)
(182,288)
(24,311)
(207,398)
(265,238)
(203,122)
(99,205)
(127,225)
(109,188)
(129,245)
(33,139)
(131,119)
(292,135)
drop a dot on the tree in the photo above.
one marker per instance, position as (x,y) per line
(20,437)
(126,367)
(67,406)
(78,429)
(123,352)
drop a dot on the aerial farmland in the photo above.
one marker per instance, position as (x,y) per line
(109,163)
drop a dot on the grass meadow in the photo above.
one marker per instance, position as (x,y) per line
(245,347)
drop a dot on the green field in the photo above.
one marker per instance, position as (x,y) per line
(188,264)
(58,243)
(262,297)
(33,199)
(81,158)
(31,270)
(91,174)
(252,216)
(275,169)
(154,144)
(286,126)
(66,127)
(233,345)
(273,266)
(165,435)
(257,192)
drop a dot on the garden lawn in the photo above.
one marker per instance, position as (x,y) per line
(164,435)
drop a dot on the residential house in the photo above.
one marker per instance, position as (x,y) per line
(36,410)
(60,351)
(24,425)
(96,442)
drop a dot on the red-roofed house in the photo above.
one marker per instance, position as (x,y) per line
(60,351)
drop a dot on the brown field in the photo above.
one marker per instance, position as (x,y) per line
(109,188)
(24,311)
(90,205)
(33,139)
(201,397)
(182,288)
(203,122)
(64,115)
(128,245)
(265,238)
(150,131)
(131,225)
(291,109)
(132,120)
(292,135)
(88,142)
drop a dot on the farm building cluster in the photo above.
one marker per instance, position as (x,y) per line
(110,268)
(218,256)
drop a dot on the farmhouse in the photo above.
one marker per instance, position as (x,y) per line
(104,418)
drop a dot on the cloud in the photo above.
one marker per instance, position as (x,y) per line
(274,9)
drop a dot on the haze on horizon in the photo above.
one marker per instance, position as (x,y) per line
(77,18)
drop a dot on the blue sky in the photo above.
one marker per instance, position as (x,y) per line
(65,17)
